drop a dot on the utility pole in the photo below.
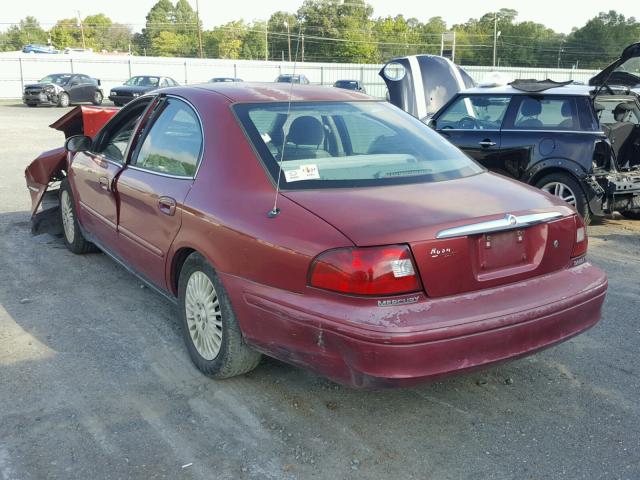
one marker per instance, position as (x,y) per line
(495,38)
(302,38)
(199,28)
(266,41)
(560,50)
(286,24)
(84,46)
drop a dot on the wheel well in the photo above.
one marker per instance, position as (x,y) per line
(176,266)
(548,171)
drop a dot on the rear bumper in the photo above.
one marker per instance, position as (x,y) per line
(355,342)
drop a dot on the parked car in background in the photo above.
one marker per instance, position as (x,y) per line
(138,85)
(290,78)
(390,257)
(62,90)
(39,49)
(225,79)
(78,51)
(577,142)
(354,85)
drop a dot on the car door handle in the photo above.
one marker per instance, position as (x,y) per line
(486,143)
(104,183)
(167,205)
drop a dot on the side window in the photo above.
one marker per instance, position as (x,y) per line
(557,113)
(114,144)
(475,112)
(174,142)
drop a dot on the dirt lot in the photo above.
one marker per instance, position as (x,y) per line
(95,381)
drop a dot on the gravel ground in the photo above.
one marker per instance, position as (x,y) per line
(95,381)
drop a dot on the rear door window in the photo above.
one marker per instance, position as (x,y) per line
(474,112)
(173,144)
(547,113)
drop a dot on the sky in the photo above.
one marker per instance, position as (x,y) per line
(562,16)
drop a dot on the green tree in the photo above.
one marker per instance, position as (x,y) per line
(66,33)
(600,40)
(345,29)
(277,34)
(26,32)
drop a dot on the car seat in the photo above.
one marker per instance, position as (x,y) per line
(304,140)
(530,108)
(568,113)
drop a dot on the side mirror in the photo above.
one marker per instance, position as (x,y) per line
(431,123)
(74,83)
(78,143)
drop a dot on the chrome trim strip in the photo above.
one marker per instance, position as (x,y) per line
(584,132)
(509,222)
(153,172)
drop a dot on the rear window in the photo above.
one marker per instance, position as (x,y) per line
(553,113)
(342,144)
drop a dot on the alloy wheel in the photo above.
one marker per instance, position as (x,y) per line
(204,318)
(561,190)
(67,216)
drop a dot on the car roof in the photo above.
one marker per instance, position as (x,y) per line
(575,90)
(277,92)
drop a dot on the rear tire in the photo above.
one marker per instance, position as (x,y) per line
(97,98)
(71,233)
(31,104)
(209,326)
(63,99)
(567,188)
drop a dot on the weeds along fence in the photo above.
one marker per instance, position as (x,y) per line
(17,70)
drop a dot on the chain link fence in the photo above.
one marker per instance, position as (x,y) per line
(19,70)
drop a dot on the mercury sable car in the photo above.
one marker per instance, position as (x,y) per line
(327,229)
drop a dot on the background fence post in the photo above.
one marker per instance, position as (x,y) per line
(185,72)
(71,64)
(235,70)
(21,75)
(321,75)
(129,67)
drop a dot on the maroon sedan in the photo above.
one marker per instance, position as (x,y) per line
(329,230)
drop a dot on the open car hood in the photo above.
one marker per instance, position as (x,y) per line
(623,72)
(422,84)
(84,120)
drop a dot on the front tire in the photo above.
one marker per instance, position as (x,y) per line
(63,99)
(71,233)
(567,188)
(97,98)
(209,325)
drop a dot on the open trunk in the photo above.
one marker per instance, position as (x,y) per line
(459,245)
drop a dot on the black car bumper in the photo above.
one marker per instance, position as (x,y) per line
(40,98)
(120,99)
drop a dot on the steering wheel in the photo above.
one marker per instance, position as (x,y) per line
(468,123)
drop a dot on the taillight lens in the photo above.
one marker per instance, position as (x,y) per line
(581,241)
(388,270)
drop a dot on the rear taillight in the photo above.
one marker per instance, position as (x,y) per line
(388,270)
(581,241)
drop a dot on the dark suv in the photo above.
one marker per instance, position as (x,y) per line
(575,141)
(63,89)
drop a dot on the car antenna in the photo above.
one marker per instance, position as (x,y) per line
(275,211)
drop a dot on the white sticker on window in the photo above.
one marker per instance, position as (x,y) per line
(303,172)
(266,137)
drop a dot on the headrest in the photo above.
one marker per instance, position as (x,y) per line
(531,107)
(622,108)
(567,109)
(306,131)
